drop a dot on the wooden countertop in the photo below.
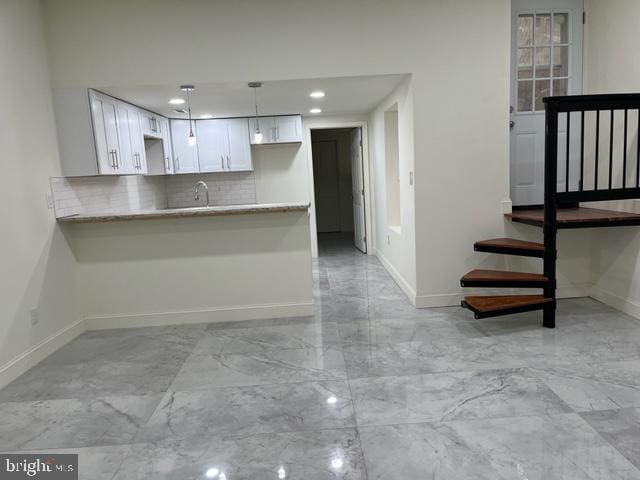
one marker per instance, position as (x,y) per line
(212,211)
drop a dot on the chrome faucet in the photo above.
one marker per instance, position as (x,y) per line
(196,195)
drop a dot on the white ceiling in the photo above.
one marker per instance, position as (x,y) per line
(345,95)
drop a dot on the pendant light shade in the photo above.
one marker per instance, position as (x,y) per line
(257,135)
(192,136)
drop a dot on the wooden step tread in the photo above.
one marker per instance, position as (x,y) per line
(493,306)
(500,278)
(510,246)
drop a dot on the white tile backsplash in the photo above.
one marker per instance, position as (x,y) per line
(93,195)
(228,188)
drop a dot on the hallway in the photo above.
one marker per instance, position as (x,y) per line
(368,388)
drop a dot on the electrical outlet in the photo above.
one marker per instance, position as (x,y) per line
(34,316)
(49,198)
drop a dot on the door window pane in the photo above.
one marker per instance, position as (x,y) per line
(543,29)
(560,87)
(560,61)
(543,89)
(525,30)
(543,62)
(525,95)
(560,28)
(525,63)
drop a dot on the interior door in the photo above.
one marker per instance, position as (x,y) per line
(546,60)
(357,180)
(326,185)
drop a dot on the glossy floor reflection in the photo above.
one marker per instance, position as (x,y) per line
(369,387)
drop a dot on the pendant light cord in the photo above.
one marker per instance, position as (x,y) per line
(189,107)
(255,101)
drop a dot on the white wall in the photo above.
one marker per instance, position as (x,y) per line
(193,270)
(395,247)
(458,53)
(612,65)
(38,268)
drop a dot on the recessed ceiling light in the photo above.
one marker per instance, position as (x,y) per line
(317,94)
(206,115)
(315,110)
(176,101)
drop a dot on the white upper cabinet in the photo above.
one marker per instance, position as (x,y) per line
(104,113)
(151,124)
(288,129)
(213,142)
(135,120)
(281,129)
(166,145)
(185,156)
(223,145)
(239,156)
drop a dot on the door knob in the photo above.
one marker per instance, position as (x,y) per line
(512,124)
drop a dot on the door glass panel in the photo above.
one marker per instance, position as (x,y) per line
(560,28)
(560,61)
(525,96)
(543,56)
(543,29)
(543,89)
(525,30)
(525,63)
(560,87)
(543,62)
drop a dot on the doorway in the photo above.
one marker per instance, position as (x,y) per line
(546,60)
(339,184)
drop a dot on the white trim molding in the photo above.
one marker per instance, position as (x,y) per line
(34,355)
(397,277)
(214,315)
(626,305)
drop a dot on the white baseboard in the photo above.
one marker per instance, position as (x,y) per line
(34,355)
(628,306)
(228,314)
(454,299)
(397,277)
(29,358)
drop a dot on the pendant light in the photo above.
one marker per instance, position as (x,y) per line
(192,136)
(257,135)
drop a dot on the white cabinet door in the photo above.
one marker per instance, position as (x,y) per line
(137,140)
(284,129)
(151,124)
(185,156)
(267,127)
(126,163)
(239,146)
(213,149)
(288,129)
(166,145)
(104,111)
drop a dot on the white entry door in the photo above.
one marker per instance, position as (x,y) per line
(546,60)
(357,180)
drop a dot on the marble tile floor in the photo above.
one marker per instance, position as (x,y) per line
(368,388)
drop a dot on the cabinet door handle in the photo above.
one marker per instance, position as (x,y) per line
(167,167)
(177,163)
(277,132)
(113,158)
(115,154)
(228,163)
(222,161)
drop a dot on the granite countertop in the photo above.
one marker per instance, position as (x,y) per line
(186,212)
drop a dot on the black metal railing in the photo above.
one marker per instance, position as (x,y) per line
(578,107)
